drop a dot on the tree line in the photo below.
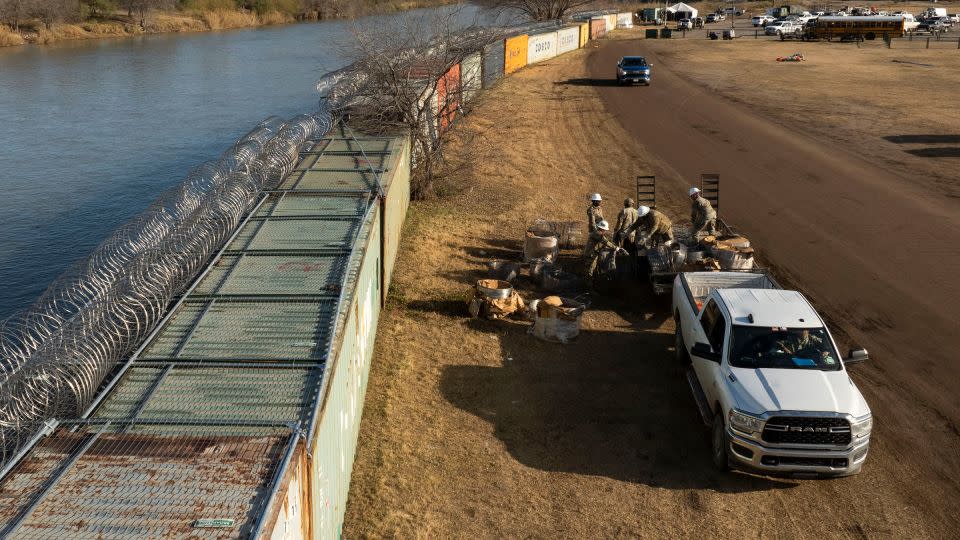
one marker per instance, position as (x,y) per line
(19,13)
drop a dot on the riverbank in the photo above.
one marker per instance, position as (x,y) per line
(163,22)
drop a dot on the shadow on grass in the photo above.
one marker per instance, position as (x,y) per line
(612,404)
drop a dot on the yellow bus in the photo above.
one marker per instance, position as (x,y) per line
(859,28)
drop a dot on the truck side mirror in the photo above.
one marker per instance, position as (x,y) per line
(856,356)
(704,351)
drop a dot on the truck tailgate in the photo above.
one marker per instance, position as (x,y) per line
(697,285)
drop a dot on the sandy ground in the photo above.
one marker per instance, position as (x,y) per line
(474,429)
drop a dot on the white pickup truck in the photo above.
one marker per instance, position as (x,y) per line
(767,377)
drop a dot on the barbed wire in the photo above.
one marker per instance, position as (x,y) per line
(55,355)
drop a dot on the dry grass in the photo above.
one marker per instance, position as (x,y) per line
(9,38)
(223,19)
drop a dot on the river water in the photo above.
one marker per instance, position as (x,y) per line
(91,132)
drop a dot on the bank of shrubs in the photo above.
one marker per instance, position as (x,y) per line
(45,21)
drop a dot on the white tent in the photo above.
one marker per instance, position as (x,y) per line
(682,11)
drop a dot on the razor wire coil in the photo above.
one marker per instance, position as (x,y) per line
(56,354)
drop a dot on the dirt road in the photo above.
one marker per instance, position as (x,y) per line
(866,244)
(474,429)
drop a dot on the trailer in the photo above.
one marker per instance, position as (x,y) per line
(661,265)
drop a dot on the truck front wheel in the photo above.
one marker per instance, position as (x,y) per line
(719,443)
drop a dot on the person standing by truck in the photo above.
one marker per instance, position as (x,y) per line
(598,244)
(625,219)
(653,226)
(702,214)
(594,213)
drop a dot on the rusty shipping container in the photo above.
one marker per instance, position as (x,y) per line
(515,53)
(598,27)
(448,97)
(493,60)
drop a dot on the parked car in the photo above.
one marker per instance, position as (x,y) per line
(762,20)
(684,24)
(932,26)
(698,22)
(633,69)
(779,28)
(712,18)
(946,21)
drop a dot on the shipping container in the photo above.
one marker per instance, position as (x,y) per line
(448,98)
(568,39)
(598,28)
(470,76)
(624,20)
(242,409)
(541,47)
(493,60)
(514,53)
(584,34)
(611,21)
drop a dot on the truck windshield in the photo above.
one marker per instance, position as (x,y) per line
(634,62)
(785,348)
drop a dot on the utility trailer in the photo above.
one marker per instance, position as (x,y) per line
(660,269)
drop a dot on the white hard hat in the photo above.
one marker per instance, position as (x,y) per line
(643,210)
(603,225)
(596,197)
(694,191)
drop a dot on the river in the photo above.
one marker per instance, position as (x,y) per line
(91,132)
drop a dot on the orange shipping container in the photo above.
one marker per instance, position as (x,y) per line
(515,53)
(448,96)
(584,34)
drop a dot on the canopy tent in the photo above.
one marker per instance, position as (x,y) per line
(682,11)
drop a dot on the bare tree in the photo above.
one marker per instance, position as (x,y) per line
(13,12)
(538,10)
(406,79)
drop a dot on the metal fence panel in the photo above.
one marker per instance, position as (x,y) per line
(470,76)
(493,62)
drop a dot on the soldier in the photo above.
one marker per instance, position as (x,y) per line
(702,214)
(594,213)
(652,225)
(625,219)
(597,243)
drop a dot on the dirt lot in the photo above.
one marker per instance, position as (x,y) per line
(474,429)
(891,105)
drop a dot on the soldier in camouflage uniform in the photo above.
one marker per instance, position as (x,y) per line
(597,243)
(652,225)
(702,214)
(625,219)
(594,213)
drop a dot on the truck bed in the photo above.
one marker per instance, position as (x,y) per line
(697,285)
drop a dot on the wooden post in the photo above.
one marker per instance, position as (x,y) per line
(928,43)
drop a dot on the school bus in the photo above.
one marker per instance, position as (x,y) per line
(870,27)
